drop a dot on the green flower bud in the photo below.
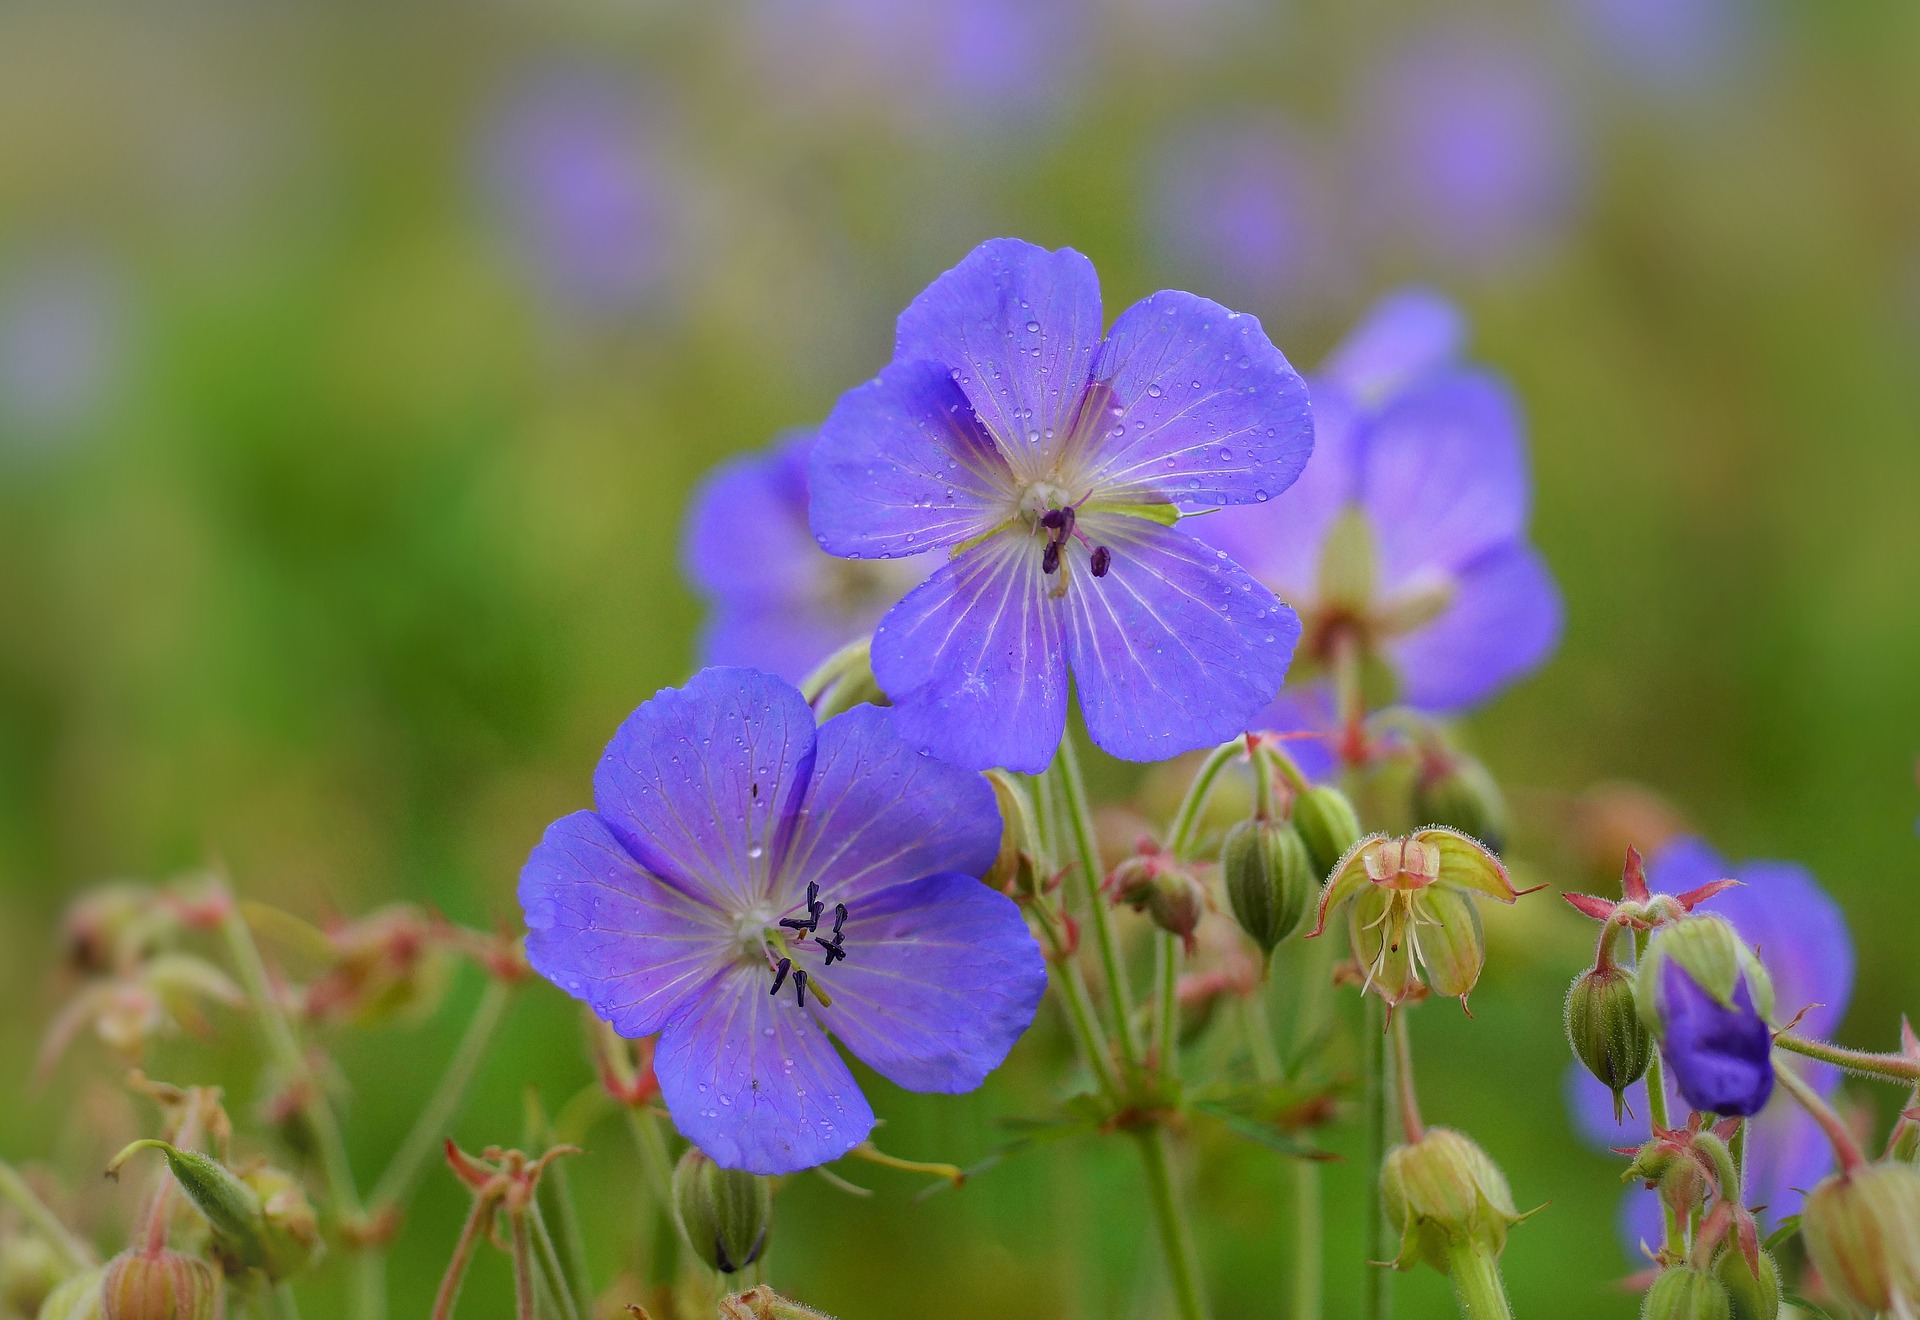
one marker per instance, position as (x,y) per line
(164,1285)
(726,1214)
(76,1299)
(1443,1192)
(290,1231)
(1457,791)
(1606,1031)
(1328,825)
(1453,945)
(29,1269)
(1269,879)
(1863,1233)
(1684,1293)
(1709,951)
(232,1208)
(1754,1297)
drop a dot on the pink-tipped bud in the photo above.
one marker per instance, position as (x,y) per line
(163,1285)
(1169,896)
(1862,1230)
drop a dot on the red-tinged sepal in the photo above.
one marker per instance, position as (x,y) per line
(1633,877)
(1589,905)
(1695,897)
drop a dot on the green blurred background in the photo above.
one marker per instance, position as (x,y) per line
(356,362)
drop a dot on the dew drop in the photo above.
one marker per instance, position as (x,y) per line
(1261,496)
(1033,327)
(1153,391)
(756,852)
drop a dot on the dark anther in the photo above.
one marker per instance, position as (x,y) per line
(1053,519)
(832,950)
(1050,558)
(800,988)
(839,918)
(811,922)
(780,975)
(1102,560)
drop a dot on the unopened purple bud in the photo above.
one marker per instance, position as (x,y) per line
(1721,1054)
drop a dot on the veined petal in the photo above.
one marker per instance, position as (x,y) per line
(700,784)
(1020,325)
(880,813)
(1209,412)
(941,978)
(974,662)
(1407,335)
(1176,647)
(1306,711)
(1445,478)
(606,932)
(902,466)
(746,533)
(1502,621)
(751,1079)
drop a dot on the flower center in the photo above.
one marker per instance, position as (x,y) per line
(1048,509)
(769,940)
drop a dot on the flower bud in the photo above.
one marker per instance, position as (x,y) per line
(1863,1233)
(1754,1297)
(1684,1293)
(163,1285)
(1013,872)
(290,1231)
(843,680)
(1706,996)
(1443,1192)
(393,964)
(29,1270)
(726,1214)
(76,1299)
(1328,826)
(1456,790)
(1606,1031)
(115,926)
(1170,897)
(232,1208)
(1269,879)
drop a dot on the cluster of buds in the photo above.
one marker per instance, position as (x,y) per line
(1411,911)
(1152,881)
(725,1214)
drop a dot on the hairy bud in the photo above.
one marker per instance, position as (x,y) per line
(290,1231)
(1863,1233)
(162,1285)
(1606,1030)
(1443,1193)
(246,1234)
(1327,825)
(1684,1293)
(1456,790)
(726,1214)
(1754,1297)
(1269,879)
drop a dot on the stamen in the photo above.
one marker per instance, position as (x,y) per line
(1050,558)
(780,975)
(839,919)
(1053,520)
(1102,560)
(800,987)
(832,950)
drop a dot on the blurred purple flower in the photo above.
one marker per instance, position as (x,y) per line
(1720,1054)
(1052,460)
(747,884)
(776,600)
(1664,43)
(1801,937)
(573,169)
(1467,146)
(62,332)
(1246,208)
(1428,455)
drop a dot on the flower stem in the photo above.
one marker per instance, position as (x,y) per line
(1403,1071)
(1166,1013)
(463,1249)
(1737,1148)
(872,1154)
(1882,1067)
(1176,1240)
(14,1189)
(1080,824)
(1306,1240)
(548,1258)
(1377,1302)
(285,1305)
(1657,1116)
(523,1303)
(423,1139)
(1476,1283)
(1186,819)
(1845,1148)
(1266,1058)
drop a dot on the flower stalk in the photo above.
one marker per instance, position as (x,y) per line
(1899,1068)
(16,1192)
(1073,788)
(1845,1149)
(1377,1246)
(1477,1286)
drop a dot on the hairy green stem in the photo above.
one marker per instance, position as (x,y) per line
(1166,1014)
(1476,1283)
(1307,1249)
(1266,1058)
(1882,1067)
(1176,1239)
(1186,819)
(1676,1242)
(14,1189)
(1376,1087)
(554,1185)
(463,1249)
(396,1185)
(1845,1149)
(1080,823)
(523,1267)
(551,1271)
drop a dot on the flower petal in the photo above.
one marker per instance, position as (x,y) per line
(1503,620)
(1409,334)
(1280,541)
(1305,709)
(1176,647)
(880,813)
(1020,325)
(1446,477)
(746,531)
(974,662)
(606,932)
(941,978)
(751,1079)
(701,782)
(1721,1055)
(1209,412)
(902,466)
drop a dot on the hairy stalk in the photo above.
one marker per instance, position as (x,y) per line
(523,1268)
(1176,1238)
(1376,1086)
(1266,1059)
(1476,1283)
(397,1184)
(566,1230)
(1881,1067)
(1304,1290)
(1845,1149)
(1676,1242)
(1410,1122)
(15,1191)
(1737,1148)
(551,1272)
(463,1251)
(1180,834)
(1066,766)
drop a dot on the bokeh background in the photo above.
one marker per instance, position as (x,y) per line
(356,362)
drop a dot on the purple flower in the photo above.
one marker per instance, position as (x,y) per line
(1419,478)
(747,884)
(778,601)
(1720,1054)
(1801,938)
(577,178)
(1052,462)
(1666,43)
(1467,144)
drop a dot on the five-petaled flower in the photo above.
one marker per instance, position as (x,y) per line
(748,883)
(1052,463)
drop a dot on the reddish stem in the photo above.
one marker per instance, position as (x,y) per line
(1845,1148)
